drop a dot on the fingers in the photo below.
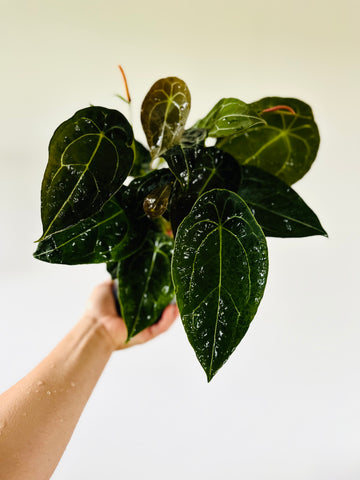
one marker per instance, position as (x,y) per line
(102,306)
(168,317)
(101,301)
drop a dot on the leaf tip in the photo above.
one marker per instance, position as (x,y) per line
(210,372)
(210,375)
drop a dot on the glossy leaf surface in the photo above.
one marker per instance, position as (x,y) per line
(219,270)
(90,155)
(144,283)
(198,170)
(285,147)
(156,203)
(114,233)
(109,235)
(193,137)
(228,117)
(164,113)
(141,187)
(278,209)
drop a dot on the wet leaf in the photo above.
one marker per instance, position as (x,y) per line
(164,113)
(90,155)
(144,283)
(156,203)
(141,187)
(278,209)
(285,147)
(114,233)
(228,117)
(198,170)
(219,270)
(193,137)
(109,235)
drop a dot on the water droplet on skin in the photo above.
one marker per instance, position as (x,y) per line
(48,392)
(73,384)
(40,382)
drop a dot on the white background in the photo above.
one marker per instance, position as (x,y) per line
(286,405)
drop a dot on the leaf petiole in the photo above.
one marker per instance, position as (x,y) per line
(126,86)
(278,107)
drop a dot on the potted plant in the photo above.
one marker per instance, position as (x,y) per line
(181,218)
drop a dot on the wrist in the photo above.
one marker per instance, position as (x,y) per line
(97,333)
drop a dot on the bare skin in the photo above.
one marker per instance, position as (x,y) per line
(39,413)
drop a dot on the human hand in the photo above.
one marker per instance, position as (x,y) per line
(101,307)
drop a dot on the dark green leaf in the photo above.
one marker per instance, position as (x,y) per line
(109,235)
(144,283)
(90,155)
(219,270)
(193,136)
(198,170)
(277,207)
(114,233)
(112,268)
(285,147)
(142,160)
(228,117)
(164,113)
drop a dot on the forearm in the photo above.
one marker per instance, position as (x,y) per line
(39,413)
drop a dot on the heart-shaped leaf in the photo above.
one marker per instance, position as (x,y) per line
(228,117)
(144,283)
(285,147)
(164,113)
(277,207)
(219,270)
(90,155)
(198,170)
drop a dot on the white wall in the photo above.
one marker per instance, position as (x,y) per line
(286,405)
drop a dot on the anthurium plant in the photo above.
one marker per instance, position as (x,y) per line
(181,218)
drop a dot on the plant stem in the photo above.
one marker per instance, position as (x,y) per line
(278,107)
(126,84)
